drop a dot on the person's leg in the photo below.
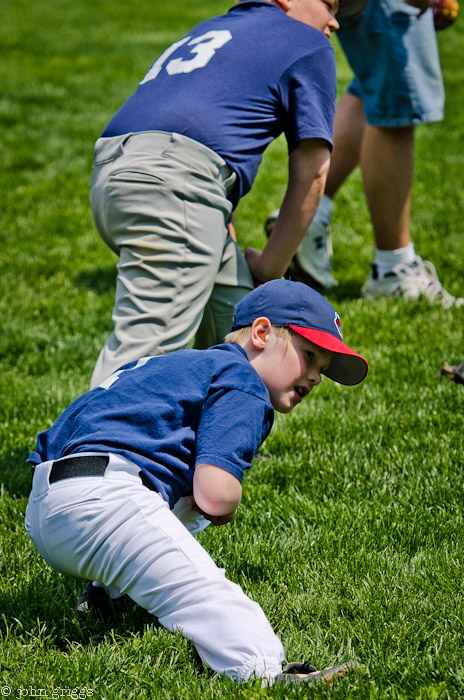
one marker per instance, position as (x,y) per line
(349,126)
(115,530)
(387,157)
(381,51)
(107,601)
(394,56)
(163,208)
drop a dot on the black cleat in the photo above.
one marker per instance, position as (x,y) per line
(95,599)
(306,673)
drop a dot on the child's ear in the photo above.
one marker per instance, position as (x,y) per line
(284,4)
(260,330)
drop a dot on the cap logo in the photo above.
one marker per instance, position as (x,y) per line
(338,325)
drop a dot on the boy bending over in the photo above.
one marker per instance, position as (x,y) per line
(138,465)
(176,158)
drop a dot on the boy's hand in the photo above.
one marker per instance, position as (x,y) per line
(253,256)
(215,520)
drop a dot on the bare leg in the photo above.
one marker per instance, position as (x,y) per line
(348,135)
(387,157)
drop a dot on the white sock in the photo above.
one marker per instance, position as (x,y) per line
(324,210)
(387,259)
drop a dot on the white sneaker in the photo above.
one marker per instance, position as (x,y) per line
(418,278)
(315,253)
(314,256)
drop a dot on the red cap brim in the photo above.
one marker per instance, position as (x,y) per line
(346,367)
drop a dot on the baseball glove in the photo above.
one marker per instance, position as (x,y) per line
(454,372)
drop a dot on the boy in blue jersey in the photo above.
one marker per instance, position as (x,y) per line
(137,466)
(175,159)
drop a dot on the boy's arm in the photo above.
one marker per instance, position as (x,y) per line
(216,493)
(308,166)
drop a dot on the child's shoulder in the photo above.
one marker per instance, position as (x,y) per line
(233,371)
(192,373)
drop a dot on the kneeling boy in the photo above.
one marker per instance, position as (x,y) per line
(135,467)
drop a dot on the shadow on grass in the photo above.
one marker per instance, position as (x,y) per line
(42,614)
(346,291)
(98,279)
(41,611)
(16,474)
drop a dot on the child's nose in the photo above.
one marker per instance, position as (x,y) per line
(314,376)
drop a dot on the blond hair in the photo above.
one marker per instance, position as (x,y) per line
(241,335)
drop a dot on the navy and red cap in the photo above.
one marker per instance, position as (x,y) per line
(348,8)
(308,313)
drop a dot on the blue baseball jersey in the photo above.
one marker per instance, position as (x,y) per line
(168,414)
(235,83)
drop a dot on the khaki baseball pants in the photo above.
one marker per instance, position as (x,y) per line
(159,201)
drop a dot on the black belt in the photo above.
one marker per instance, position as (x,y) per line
(87,465)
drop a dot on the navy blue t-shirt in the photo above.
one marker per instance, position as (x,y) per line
(168,414)
(235,83)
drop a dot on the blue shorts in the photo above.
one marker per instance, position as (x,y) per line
(394,57)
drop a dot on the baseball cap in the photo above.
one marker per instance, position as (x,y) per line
(308,313)
(347,8)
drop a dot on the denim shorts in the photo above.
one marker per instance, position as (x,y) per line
(395,61)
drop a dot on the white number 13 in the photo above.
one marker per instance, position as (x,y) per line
(204,49)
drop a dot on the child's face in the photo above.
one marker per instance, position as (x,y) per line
(317,13)
(291,370)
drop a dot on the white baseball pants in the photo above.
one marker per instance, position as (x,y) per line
(115,530)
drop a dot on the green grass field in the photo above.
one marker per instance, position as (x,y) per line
(350,533)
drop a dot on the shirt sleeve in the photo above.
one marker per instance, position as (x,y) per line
(310,91)
(233,425)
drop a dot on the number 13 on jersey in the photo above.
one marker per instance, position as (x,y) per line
(204,48)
